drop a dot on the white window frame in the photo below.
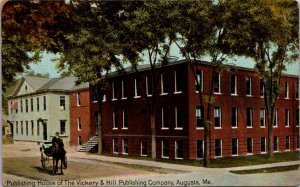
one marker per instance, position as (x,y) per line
(123,121)
(288,118)
(199,108)
(250,84)
(251,117)
(264,117)
(175,84)
(235,85)
(147,87)
(162,120)
(265,140)
(114,146)
(237,147)
(277,144)
(220,117)
(219,91)
(79,122)
(289,138)
(201,81)
(123,147)
(176,152)
(78,99)
(162,149)
(176,120)
(263,89)
(202,150)
(276,118)
(135,89)
(104,98)
(236,120)
(251,147)
(114,121)
(297,90)
(286,90)
(162,85)
(142,149)
(221,148)
(123,91)
(113,91)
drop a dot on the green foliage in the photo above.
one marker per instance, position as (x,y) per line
(32,73)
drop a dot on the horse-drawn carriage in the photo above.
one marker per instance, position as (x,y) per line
(50,151)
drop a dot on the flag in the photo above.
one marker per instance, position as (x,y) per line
(14,105)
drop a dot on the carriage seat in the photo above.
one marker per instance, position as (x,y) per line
(47,147)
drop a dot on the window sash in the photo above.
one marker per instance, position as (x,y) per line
(200,149)
(234,146)
(249,145)
(199,81)
(233,84)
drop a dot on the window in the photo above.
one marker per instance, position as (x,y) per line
(38,128)
(234,146)
(79,140)
(261,88)
(249,145)
(114,91)
(297,90)
(178,149)
(287,118)
(263,145)
(249,117)
(275,143)
(79,123)
(104,97)
(163,84)
(125,119)
(37,104)
(21,105)
(62,127)
(178,118)
(26,122)
(149,85)
(234,112)
(248,86)
(144,149)
(262,118)
(178,78)
(165,149)
(298,142)
(11,108)
(137,85)
(22,130)
(276,118)
(165,118)
(199,117)
(62,102)
(125,146)
(31,104)
(95,94)
(286,90)
(115,120)
(78,99)
(26,105)
(297,117)
(287,143)
(17,127)
(199,80)
(200,149)
(217,117)
(218,148)
(233,84)
(115,146)
(124,89)
(32,127)
(45,105)
(216,82)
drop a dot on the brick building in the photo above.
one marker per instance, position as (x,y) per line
(239,125)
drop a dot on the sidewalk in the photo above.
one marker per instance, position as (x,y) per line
(182,168)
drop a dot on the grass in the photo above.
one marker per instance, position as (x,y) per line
(229,161)
(267,170)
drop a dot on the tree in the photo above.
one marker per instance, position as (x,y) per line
(32,73)
(265,31)
(149,34)
(201,33)
(29,27)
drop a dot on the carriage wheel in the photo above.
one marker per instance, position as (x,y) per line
(65,163)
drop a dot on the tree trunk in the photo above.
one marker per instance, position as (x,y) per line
(153,135)
(99,131)
(206,143)
(270,121)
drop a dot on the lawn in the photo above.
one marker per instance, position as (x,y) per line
(229,161)
(267,170)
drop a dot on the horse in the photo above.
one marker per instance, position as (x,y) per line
(58,153)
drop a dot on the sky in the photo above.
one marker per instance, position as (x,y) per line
(48,66)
